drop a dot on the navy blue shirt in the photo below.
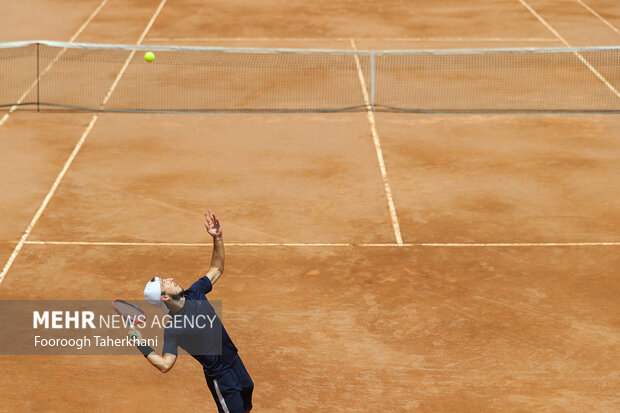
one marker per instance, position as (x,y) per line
(199,331)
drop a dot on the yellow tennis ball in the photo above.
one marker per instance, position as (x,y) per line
(149,56)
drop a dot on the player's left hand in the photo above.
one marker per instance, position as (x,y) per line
(213,225)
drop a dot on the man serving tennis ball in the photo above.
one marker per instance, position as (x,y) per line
(195,326)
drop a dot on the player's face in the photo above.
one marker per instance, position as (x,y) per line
(170,287)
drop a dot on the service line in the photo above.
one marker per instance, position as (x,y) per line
(348,39)
(324,244)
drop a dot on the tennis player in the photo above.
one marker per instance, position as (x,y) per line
(208,342)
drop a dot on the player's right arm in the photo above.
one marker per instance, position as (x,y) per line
(163,363)
(217,258)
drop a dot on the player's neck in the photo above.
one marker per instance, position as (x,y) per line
(176,305)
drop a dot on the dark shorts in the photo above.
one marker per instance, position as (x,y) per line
(232,391)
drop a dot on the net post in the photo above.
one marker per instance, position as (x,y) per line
(372,80)
(38,78)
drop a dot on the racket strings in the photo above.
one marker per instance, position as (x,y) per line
(130,312)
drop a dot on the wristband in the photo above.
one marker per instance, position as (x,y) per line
(145,350)
(218,239)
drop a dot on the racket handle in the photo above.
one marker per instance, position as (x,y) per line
(133,336)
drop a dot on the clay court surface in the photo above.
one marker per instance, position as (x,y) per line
(496,289)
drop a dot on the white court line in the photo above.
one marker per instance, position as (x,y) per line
(321,244)
(326,39)
(133,52)
(525,244)
(48,197)
(49,66)
(563,40)
(591,10)
(190,244)
(375,137)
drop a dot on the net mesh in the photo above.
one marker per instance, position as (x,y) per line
(62,76)
(501,81)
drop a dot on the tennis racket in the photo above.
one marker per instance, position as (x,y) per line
(130,312)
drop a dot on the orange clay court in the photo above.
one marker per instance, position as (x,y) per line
(389,262)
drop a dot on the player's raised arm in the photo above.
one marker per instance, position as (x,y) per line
(217,259)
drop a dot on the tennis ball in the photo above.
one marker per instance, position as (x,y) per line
(149,56)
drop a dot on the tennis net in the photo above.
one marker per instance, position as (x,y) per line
(46,75)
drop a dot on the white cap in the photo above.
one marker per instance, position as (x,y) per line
(152,294)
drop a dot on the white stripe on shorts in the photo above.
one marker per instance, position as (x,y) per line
(219,395)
